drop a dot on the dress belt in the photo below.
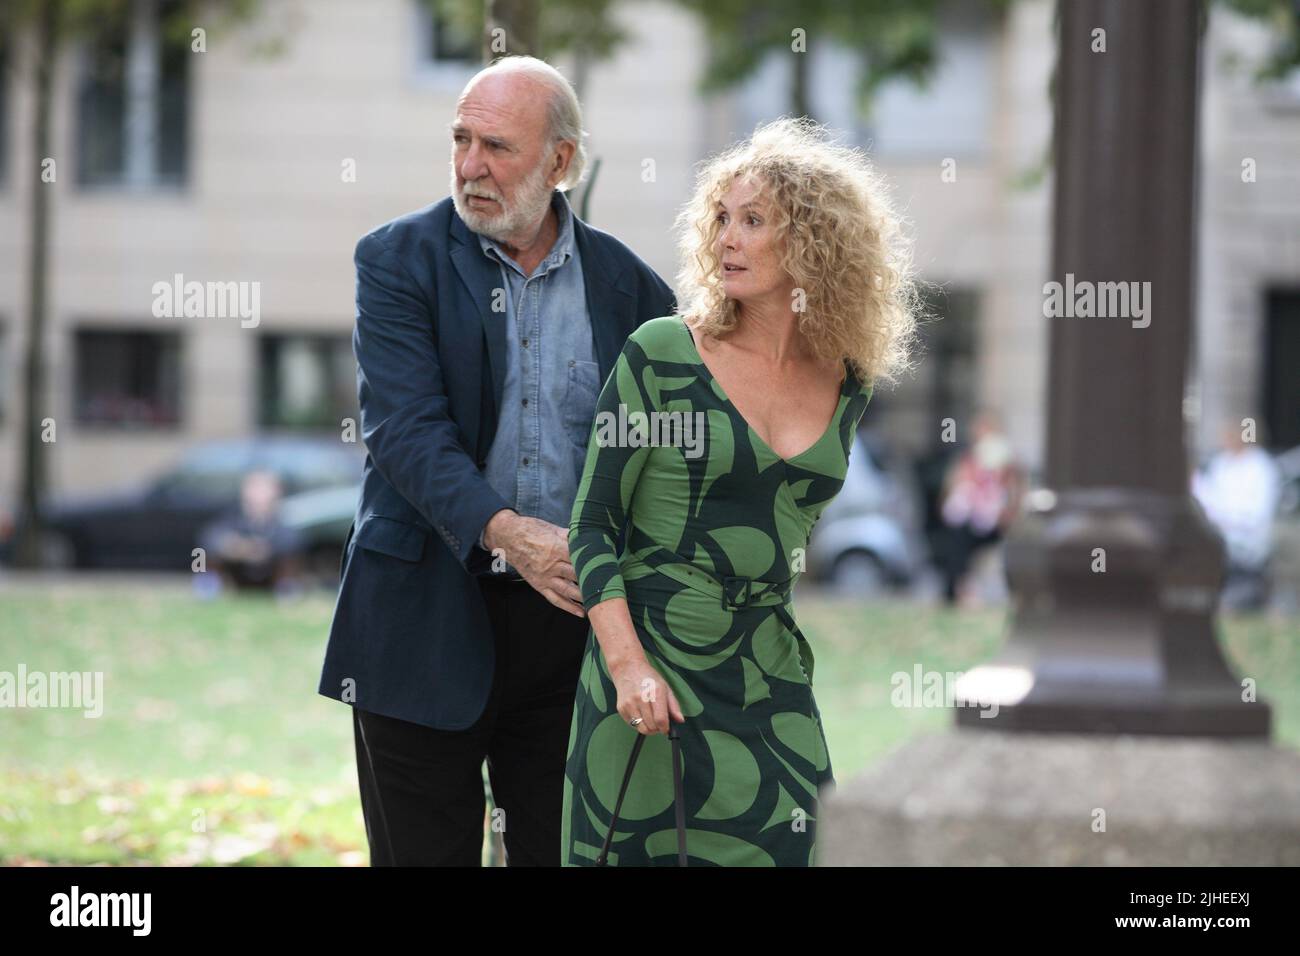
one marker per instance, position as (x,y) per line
(732,591)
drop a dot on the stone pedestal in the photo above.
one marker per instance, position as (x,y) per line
(966,798)
(1128,649)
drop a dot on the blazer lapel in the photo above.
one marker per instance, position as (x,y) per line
(481,275)
(607,299)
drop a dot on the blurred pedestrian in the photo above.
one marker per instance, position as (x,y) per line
(980,498)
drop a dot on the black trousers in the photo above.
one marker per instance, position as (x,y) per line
(422,792)
(960,547)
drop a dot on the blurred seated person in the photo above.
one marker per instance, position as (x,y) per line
(1239,490)
(251,547)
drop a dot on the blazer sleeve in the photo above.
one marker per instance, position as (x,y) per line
(405,419)
(609,478)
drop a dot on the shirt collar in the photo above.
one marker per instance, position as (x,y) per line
(560,253)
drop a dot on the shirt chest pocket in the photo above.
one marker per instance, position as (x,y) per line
(580,400)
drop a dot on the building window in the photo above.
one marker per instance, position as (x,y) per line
(133,98)
(952,341)
(447,52)
(945,385)
(1281,358)
(307,381)
(127,378)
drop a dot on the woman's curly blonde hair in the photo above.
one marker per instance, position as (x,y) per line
(844,247)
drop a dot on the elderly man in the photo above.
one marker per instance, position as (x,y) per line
(486,325)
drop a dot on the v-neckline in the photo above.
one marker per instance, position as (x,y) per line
(830,426)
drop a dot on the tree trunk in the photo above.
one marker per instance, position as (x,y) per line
(520,20)
(34,472)
(799,84)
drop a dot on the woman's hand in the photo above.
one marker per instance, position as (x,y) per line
(643,693)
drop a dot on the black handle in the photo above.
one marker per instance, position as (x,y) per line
(679,800)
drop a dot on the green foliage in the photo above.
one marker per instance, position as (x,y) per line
(894,38)
(76,17)
(586,28)
(1283,17)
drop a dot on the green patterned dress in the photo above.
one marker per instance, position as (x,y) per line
(697,525)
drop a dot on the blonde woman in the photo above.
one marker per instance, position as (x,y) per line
(798,299)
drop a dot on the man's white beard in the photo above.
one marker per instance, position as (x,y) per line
(528,208)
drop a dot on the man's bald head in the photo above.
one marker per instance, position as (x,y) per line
(516,138)
(531,91)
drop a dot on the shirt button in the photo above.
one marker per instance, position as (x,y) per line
(525,343)
(525,461)
(525,401)
(572,363)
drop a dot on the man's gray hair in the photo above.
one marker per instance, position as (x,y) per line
(564,116)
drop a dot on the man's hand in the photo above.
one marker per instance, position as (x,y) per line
(539,551)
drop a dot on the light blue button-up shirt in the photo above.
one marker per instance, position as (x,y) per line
(552,379)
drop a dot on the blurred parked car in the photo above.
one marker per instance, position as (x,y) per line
(156,525)
(868,538)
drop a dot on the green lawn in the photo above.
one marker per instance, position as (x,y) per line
(214,747)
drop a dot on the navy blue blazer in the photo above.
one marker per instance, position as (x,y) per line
(410,637)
